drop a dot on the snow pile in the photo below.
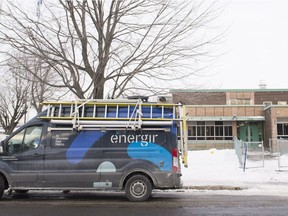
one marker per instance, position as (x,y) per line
(221,167)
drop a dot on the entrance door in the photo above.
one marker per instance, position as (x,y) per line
(250,133)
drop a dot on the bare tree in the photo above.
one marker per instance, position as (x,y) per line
(14,100)
(40,91)
(37,75)
(20,91)
(124,45)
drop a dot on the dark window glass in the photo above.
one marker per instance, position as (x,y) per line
(219,131)
(203,131)
(228,130)
(27,139)
(219,123)
(200,131)
(285,128)
(209,131)
(279,129)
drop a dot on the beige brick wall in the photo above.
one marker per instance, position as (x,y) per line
(224,111)
(218,144)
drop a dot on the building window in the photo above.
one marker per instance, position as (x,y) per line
(217,130)
(210,132)
(233,101)
(240,101)
(282,131)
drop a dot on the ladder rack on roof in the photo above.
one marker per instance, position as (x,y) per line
(107,113)
(126,114)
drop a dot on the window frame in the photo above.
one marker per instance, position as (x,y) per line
(217,130)
(24,146)
(282,127)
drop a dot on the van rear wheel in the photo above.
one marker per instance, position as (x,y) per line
(138,188)
(2,186)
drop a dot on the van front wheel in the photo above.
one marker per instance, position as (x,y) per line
(138,188)
(2,186)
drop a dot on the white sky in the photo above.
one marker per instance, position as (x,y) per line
(256,45)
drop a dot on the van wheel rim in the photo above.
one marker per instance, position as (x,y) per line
(138,189)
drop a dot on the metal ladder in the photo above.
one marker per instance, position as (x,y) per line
(130,112)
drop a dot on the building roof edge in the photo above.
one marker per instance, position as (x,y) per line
(228,90)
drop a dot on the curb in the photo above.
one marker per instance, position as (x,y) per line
(214,187)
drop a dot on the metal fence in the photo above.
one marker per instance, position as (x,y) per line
(238,146)
(273,147)
(250,154)
(282,147)
(255,154)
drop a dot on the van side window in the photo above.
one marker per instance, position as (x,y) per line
(26,139)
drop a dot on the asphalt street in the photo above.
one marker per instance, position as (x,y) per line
(171,203)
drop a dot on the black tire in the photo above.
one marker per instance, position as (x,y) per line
(21,191)
(138,188)
(2,186)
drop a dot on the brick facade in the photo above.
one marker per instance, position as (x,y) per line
(262,109)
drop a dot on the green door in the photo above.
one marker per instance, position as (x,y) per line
(250,133)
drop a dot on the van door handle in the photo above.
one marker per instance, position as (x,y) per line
(36,155)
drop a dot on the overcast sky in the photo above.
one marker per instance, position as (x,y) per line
(256,45)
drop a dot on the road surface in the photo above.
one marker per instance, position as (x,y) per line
(171,203)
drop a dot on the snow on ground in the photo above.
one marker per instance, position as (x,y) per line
(221,168)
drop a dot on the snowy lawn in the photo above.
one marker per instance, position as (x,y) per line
(221,167)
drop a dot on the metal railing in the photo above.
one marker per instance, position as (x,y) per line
(282,148)
(250,154)
(238,146)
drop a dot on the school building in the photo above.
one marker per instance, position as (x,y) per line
(216,117)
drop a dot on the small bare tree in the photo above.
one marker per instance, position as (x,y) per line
(40,91)
(38,75)
(125,45)
(14,100)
